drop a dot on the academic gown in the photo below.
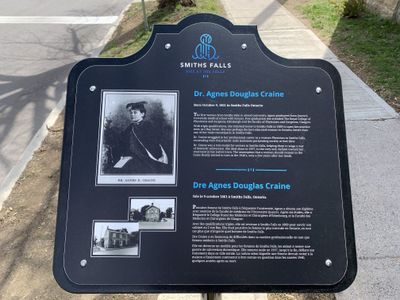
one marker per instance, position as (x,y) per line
(141,141)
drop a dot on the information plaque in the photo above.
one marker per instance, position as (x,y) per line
(204,163)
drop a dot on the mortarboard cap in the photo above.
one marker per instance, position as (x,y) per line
(136,105)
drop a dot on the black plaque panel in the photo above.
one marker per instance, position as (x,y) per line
(204,162)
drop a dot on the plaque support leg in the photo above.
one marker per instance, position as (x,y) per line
(211,296)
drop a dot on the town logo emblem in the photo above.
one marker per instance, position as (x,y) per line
(204,50)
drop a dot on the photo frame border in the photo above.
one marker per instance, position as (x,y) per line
(176,139)
(160,198)
(113,256)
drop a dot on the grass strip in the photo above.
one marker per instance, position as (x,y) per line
(131,35)
(369,45)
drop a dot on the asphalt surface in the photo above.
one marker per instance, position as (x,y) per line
(40,42)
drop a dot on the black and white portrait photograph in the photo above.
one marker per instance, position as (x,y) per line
(115,239)
(153,213)
(138,138)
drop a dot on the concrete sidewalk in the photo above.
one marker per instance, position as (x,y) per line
(373,144)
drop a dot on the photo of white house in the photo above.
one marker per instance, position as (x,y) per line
(153,213)
(115,238)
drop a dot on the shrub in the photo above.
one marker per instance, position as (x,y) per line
(353,8)
(349,8)
(166,3)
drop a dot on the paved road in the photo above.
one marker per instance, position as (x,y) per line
(40,42)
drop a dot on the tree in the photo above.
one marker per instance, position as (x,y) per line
(168,212)
(135,215)
(162,215)
(143,211)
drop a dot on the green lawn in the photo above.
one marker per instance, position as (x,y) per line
(369,44)
(131,35)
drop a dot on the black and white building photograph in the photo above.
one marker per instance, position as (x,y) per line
(153,213)
(115,239)
(138,138)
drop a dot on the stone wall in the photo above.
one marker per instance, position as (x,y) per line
(386,8)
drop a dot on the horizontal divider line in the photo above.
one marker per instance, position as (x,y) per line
(271,170)
(251,170)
